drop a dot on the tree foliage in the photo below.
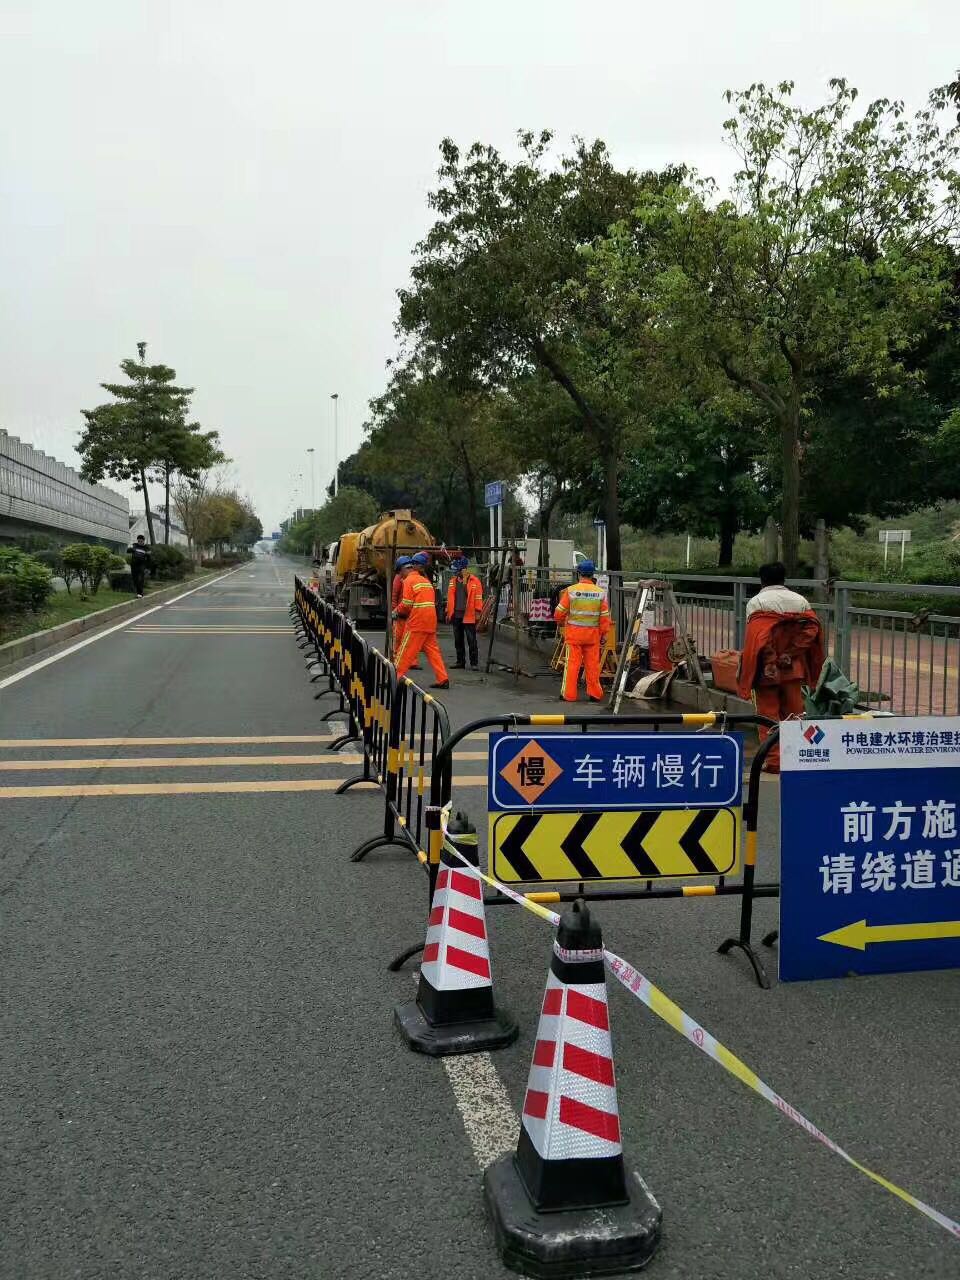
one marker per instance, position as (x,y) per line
(143,433)
(833,254)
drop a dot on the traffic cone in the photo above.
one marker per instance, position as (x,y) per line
(569,1160)
(454,1010)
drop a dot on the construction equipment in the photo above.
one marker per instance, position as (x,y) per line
(363,563)
(654,604)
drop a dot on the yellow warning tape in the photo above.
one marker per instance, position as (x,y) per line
(661,1004)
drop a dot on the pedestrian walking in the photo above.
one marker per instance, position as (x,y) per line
(418,608)
(782,652)
(464,602)
(139,555)
(585,616)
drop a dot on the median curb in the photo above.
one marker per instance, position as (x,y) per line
(27,646)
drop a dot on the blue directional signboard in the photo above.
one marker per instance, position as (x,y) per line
(493,493)
(573,806)
(869,846)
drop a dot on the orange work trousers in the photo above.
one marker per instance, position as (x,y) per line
(582,650)
(399,631)
(778,702)
(410,646)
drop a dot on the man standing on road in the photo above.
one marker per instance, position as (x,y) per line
(583,611)
(464,602)
(139,555)
(418,608)
(782,651)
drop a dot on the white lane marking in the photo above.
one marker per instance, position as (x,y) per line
(108,631)
(492,1125)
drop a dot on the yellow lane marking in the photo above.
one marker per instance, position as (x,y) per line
(173,762)
(189,788)
(25,743)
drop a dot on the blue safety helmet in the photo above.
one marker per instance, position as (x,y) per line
(586,568)
(402,561)
(460,563)
(420,558)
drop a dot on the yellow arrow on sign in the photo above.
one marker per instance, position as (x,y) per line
(856,936)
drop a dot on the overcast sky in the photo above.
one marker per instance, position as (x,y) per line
(240,184)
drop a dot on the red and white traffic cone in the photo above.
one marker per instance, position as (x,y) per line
(569,1160)
(454,1010)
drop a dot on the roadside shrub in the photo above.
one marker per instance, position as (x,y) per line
(226,561)
(25,583)
(77,563)
(100,558)
(121,580)
(169,563)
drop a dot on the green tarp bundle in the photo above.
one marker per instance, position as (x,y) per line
(835,694)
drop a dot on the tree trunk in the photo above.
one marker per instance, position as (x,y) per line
(166,506)
(728,534)
(790,514)
(611,508)
(146,506)
(771,541)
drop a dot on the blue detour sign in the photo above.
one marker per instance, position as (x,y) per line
(598,806)
(869,846)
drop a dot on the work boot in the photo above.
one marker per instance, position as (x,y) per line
(441,684)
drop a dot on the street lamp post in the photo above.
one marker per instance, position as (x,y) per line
(313,487)
(336,444)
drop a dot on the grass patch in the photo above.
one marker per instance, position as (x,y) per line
(65,608)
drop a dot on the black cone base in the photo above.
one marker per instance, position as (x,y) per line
(573,1242)
(453,1037)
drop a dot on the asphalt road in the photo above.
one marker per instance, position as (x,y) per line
(198,1071)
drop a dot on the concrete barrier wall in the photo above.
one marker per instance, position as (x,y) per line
(38,492)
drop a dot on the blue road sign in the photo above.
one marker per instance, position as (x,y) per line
(869,846)
(493,493)
(563,772)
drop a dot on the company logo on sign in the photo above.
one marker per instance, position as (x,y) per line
(814,735)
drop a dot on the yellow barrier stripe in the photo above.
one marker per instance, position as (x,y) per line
(661,1004)
(546,896)
(750,854)
(700,717)
(393,760)
(548,719)
(699,890)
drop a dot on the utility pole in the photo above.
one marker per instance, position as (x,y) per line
(336,445)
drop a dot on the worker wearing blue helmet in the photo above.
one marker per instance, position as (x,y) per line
(402,567)
(583,611)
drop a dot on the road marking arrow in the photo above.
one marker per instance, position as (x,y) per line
(858,935)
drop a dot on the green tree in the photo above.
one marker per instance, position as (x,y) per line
(135,433)
(500,286)
(350,510)
(834,247)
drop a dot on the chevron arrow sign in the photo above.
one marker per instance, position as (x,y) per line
(620,845)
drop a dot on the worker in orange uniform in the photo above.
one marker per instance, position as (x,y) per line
(583,611)
(403,566)
(464,602)
(782,652)
(418,607)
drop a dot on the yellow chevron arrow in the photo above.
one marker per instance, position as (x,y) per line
(856,936)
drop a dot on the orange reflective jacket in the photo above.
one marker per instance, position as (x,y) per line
(419,603)
(584,607)
(779,648)
(474,592)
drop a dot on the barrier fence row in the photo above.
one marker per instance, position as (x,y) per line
(409,751)
(399,727)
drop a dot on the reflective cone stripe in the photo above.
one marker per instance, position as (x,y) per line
(456,955)
(570,1108)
